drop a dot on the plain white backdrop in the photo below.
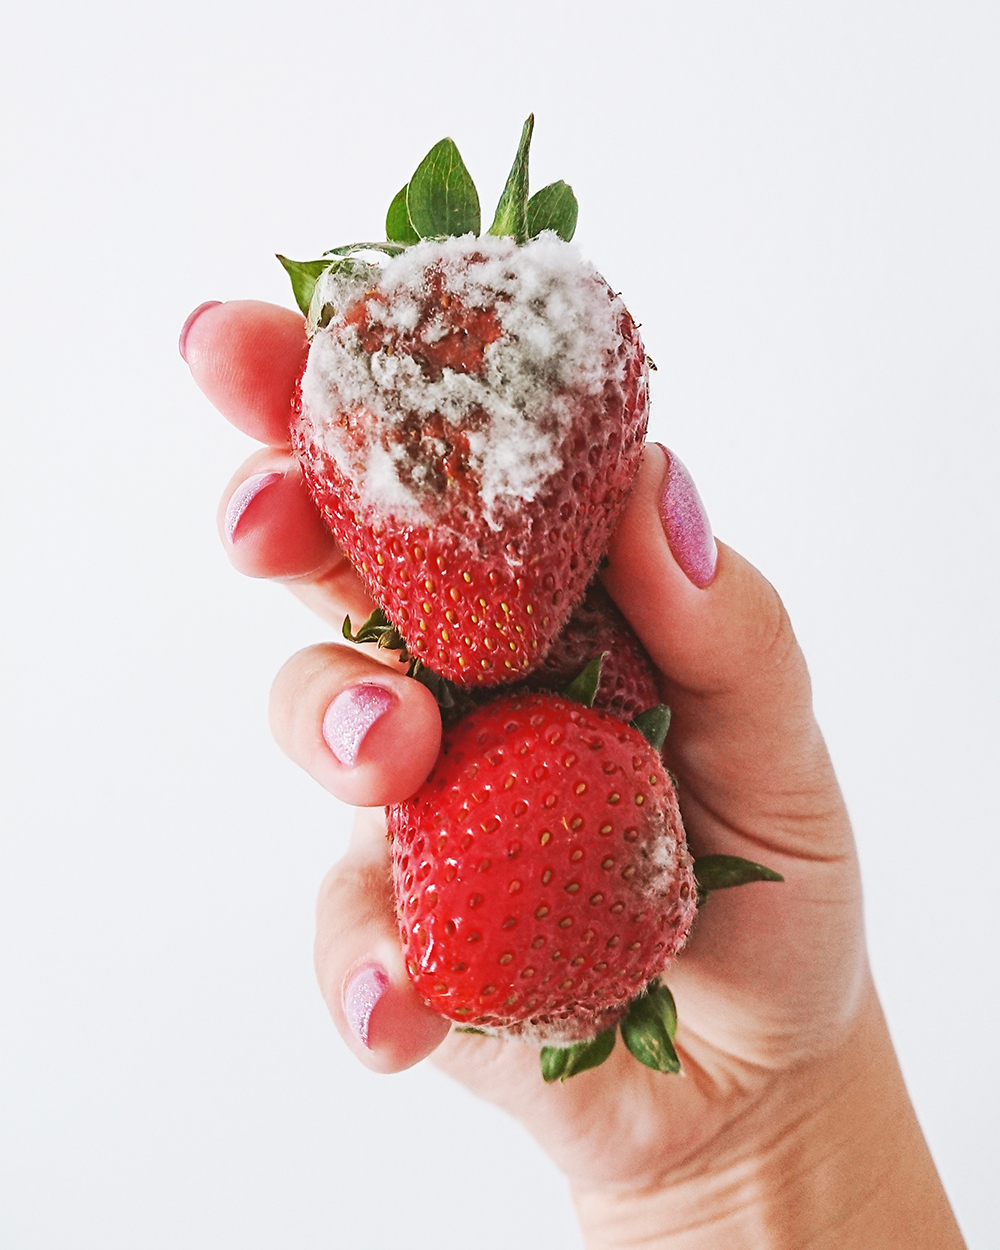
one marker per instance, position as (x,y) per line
(801,205)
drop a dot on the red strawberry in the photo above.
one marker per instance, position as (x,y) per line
(628,678)
(541,872)
(470,418)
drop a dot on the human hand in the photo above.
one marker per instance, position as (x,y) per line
(790,1125)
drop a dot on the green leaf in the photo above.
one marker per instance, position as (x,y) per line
(384,245)
(440,687)
(441,197)
(553,208)
(512,211)
(559,1063)
(653,725)
(583,688)
(722,872)
(304,275)
(662,999)
(649,1027)
(397,221)
(378,628)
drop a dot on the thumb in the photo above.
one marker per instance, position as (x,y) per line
(743,738)
(754,777)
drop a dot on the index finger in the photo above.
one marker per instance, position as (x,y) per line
(245,356)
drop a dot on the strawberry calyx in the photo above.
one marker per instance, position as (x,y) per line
(512,212)
(584,686)
(653,725)
(453,701)
(723,872)
(648,1029)
(649,1026)
(559,1063)
(440,201)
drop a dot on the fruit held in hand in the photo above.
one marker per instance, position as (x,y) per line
(541,872)
(470,417)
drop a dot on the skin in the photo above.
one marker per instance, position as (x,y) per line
(791,1126)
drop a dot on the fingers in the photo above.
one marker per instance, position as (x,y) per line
(368,734)
(245,356)
(359,961)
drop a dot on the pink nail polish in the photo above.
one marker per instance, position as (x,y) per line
(243,497)
(350,716)
(361,996)
(686,524)
(186,327)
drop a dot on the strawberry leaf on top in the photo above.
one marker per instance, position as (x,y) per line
(398,226)
(512,211)
(303,275)
(441,198)
(553,208)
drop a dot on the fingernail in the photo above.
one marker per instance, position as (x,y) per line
(686,524)
(350,716)
(186,327)
(243,497)
(361,996)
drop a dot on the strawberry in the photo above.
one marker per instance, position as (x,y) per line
(595,632)
(470,416)
(541,872)
(596,627)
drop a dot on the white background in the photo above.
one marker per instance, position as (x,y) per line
(800,202)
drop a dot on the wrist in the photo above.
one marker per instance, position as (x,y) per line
(832,1157)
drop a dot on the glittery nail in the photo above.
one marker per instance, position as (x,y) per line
(350,716)
(686,524)
(186,327)
(361,996)
(243,497)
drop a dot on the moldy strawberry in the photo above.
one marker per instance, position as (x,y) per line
(470,416)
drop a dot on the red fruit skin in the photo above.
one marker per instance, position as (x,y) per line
(596,627)
(477,604)
(542,875)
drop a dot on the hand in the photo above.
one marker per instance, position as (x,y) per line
(790,1125)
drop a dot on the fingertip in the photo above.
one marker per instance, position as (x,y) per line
(686,524)
(245,356)
(642,574)
(269,523)
(386,1024)
(242,497)
(706,616)
(189,323)
(365,733)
